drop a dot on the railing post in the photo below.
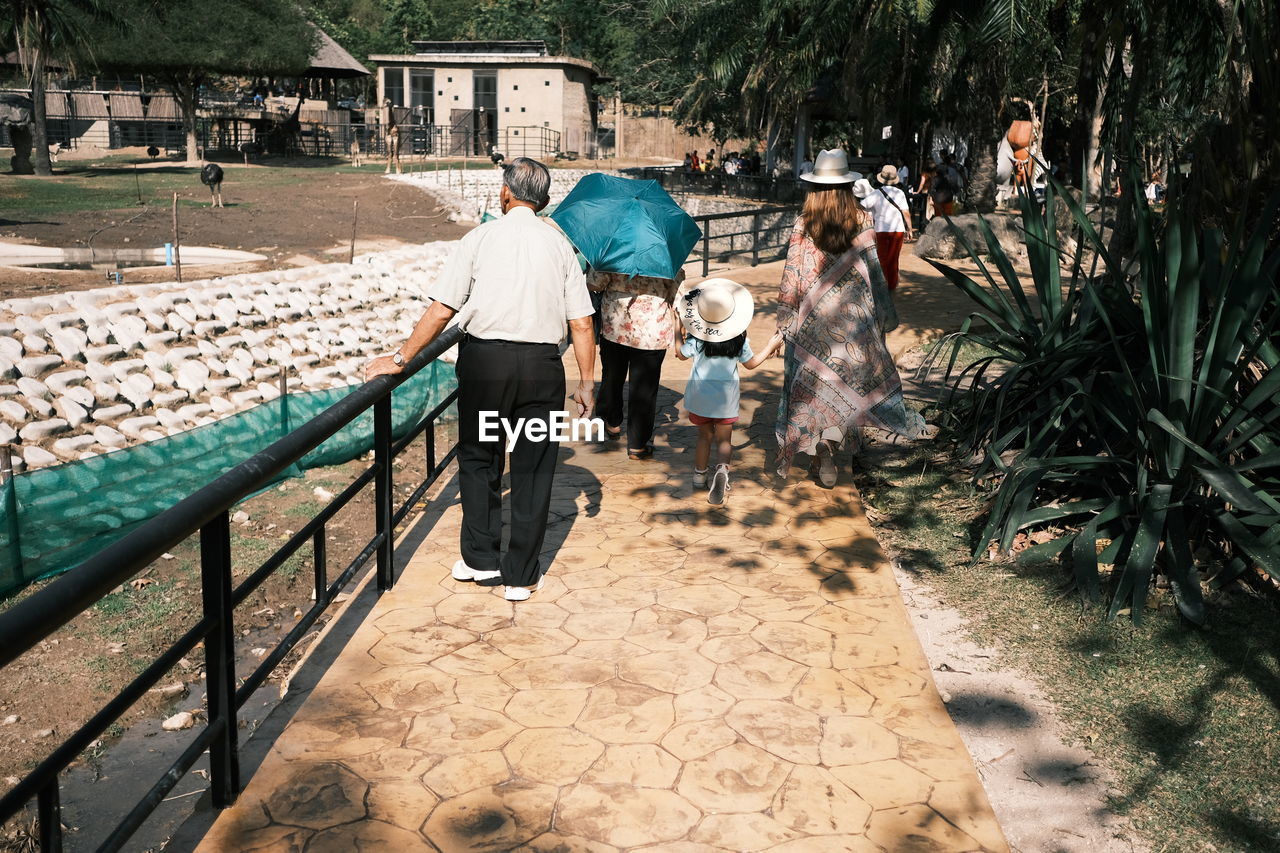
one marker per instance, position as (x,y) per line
(382,491)
(320,556)
(11,508)
(706,248)
(755,240)
(220,658)
(49,815)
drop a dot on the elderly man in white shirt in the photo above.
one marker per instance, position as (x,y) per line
(892,217)
(515,288)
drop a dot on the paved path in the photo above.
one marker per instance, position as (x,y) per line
(690,679)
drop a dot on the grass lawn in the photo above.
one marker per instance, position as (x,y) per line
(113,183)
(1187,720)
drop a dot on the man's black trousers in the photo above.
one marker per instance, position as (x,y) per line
(513,381)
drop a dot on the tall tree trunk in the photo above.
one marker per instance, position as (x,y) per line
(39,129)
(185,90)
(1086,124)
(982,178)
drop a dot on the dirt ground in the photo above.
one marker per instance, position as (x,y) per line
(296,223)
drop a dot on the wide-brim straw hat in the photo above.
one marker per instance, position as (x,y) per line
(716,309)
(888,175)
(830,167)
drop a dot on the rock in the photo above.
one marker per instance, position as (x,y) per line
(44,733)
(170,419)
(187,312)
(137,390)
(129,332)
(322,493)
(72,447)
(133,427)
(158,340)
(126,367)
(40,407)
(104,353)
(64,379)
(164,379)
(221,405)
(168,398)
(179,721)
(111,413)
(245,399)
(108,437)
(170,691)
(81,395)
(11,348)
(34,344)
(13,411)
(41,430)
(240,517)
(105,392)
(191,376)
(69,342)
(177,323)
(195,411)
(37,365)
(223,384)
(38,457)
(33,388)
(8,435)
(209,327)
(74,413)
(940,240)
(153,435)
(10,720)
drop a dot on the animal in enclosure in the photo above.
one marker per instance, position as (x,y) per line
(55,148)
(250,149)
(211,177)
(16,113)
(284,135)
(153,152)
(393,137)
(357,156)
(496,156)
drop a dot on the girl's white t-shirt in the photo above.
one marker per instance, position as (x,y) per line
(712,391)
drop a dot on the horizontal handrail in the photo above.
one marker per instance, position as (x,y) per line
(26,623)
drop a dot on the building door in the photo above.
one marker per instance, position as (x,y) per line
(485,102)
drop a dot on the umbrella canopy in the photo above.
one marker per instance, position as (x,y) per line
(626,226)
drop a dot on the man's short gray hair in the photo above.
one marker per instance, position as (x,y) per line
(528,180)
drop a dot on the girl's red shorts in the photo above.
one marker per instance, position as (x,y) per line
(699,420)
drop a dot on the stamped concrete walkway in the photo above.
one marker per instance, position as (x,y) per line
(690,679)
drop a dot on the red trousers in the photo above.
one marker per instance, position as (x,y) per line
(888,247)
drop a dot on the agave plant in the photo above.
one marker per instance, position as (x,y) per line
(1134,405)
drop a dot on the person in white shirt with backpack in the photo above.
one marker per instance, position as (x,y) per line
(892,217)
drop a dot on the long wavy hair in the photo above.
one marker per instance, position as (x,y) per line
(833,217)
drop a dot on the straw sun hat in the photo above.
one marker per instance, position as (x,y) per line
(888,175)
(831,167)
(716,309)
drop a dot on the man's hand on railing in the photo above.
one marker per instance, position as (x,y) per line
(383,365)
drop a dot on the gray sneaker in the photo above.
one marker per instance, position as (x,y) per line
(699,479)
(719,485)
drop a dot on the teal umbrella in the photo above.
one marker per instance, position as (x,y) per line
(626,226)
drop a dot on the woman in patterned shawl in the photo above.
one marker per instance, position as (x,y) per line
(834,308)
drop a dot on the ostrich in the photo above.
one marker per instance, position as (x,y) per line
(211,177)
(153,152)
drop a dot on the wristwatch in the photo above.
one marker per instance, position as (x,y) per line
(397,359)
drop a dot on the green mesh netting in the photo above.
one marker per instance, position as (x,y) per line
(52,519)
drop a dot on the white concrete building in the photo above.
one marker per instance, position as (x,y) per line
(507,94)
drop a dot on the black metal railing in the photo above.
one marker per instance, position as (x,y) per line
(207,512)
(768,235)
(677,179)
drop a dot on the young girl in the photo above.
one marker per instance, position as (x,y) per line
(715,314)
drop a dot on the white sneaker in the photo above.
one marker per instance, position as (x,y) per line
(521,593)
(699,479)
(719,485)
(463,572)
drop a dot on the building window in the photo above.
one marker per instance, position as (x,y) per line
(393,83)
(516,88)
(441,93)
(506,109)
(421,84)
(522,109)
(515,133)
(450,79)
(547,83)
(455,97)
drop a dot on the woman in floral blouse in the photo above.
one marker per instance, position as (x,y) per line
(637,329)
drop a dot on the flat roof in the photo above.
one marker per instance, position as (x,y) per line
(455,59)
(524,48)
